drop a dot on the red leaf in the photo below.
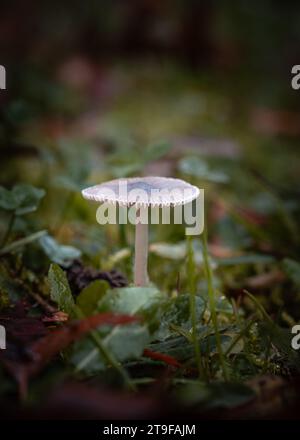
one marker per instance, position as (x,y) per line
(162,357)
(46,348)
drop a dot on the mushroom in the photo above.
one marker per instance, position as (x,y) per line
(140,193)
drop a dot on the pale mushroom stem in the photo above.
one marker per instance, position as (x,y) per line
(141,255)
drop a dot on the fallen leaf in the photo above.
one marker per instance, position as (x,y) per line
(46,348)
(56,317)
(80,276)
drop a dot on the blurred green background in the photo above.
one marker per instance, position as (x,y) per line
(199,90)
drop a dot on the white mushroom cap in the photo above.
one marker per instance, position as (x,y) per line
(143,191)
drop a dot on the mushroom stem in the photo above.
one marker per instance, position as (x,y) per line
(141,255)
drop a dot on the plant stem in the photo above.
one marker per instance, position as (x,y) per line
(22,242)
(269,321)
(259,306)
(212,304)
(193,311)
(238,337)
(110,359)
(141,253)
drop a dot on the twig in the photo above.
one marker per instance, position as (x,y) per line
(47,307)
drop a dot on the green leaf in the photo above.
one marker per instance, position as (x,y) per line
(130,300)
(127,342)
(22,198)
(28,198)
(177,312)
(178,347)
(60,291)
(7,199)
(292,269)
(89,297)
(123,342)
(182,349)
(58,253)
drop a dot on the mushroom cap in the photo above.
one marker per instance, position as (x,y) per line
(143,191)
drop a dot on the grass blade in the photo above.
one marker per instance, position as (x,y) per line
(212,304)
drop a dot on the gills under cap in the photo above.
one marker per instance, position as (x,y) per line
(143,191)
